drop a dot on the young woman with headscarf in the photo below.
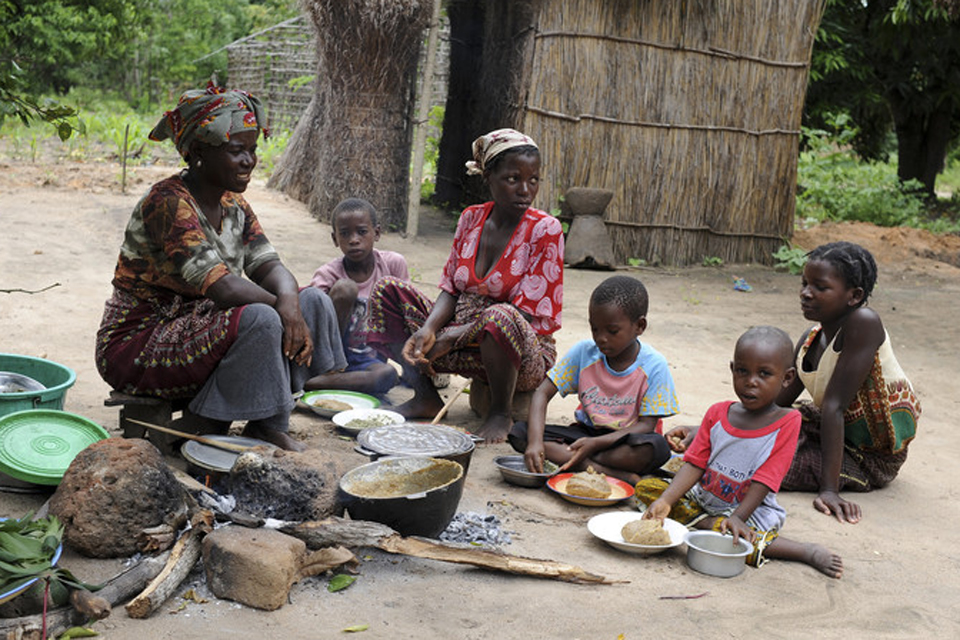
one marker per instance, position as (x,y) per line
(183,322)
(501,293)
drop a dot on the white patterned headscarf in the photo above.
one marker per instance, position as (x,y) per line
(489,146)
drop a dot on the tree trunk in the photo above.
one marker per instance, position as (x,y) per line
(921,140)
(490,52)
(354,139)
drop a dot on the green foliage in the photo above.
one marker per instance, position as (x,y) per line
(431,152)
(790,258)
(712,261)
(27,548)
(270,149)
(891,66)
(835,185)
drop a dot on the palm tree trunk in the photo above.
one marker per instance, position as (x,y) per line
(354,139)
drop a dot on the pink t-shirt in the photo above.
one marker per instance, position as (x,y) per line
(385,263)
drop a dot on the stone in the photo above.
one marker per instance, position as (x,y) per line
(287,485)
(113,491)
(255,567)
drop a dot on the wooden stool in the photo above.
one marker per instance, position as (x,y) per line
(148,409)
(480,400)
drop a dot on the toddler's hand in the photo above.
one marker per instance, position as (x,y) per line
(734,525)
(679,438)
(658,510)
(534,456)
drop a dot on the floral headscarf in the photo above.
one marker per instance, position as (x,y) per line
(489,146)
(210,115)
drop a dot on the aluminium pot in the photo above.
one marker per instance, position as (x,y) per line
(414,496)
(417,439)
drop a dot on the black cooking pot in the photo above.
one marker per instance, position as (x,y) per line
(413,496)
(419,439)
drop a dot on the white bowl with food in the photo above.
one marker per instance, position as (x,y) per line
(609,527)
(714,553)
(353,421)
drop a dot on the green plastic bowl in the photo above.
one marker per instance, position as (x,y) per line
(55,377)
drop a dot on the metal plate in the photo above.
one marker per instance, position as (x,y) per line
(11,382)
(214,459)
(415,439)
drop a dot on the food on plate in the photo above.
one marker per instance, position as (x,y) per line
(673,464)
(589,484)
(374,420)
(646,532)
(330,404)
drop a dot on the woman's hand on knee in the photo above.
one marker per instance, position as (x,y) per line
(297,342)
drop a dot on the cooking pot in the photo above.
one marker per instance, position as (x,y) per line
(415,496)
(418,439)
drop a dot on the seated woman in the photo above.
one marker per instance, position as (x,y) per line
(183,322)
(501,293)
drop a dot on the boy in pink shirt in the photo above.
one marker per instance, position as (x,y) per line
(348,281)
(625,389)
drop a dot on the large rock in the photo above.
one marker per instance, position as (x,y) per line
(112,492)
(287,485)
(257,567)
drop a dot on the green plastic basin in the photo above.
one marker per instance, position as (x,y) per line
(55,377)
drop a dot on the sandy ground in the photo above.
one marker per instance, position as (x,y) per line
(63,224)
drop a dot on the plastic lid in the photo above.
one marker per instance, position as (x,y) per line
(38,445)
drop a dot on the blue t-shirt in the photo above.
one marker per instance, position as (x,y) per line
(615,399)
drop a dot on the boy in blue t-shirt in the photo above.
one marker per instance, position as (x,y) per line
(625,389)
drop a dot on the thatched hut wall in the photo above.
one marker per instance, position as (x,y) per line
(689,112)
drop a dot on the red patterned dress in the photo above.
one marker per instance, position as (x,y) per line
(527,280)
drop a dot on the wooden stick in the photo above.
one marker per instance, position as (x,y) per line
(183,556)
(449,403)
(339,531)
(226,446)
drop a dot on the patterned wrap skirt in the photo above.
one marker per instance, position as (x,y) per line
(396,310)
(167,350)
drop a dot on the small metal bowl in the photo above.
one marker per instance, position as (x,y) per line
(714,553)
(514,470)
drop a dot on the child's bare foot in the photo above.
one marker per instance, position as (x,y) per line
(419,408)
(824,560)
(495,428)
(278,438)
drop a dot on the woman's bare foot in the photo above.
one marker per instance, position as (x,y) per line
(281,439)
(824,560)
(495,428)
(419,408)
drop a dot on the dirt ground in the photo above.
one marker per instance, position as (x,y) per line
(63,223)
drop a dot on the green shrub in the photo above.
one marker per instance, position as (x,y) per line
(834,185)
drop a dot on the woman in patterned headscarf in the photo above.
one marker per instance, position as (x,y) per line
(183,321)
(501,293)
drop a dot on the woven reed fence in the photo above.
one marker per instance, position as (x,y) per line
(688,111)
(269,64)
